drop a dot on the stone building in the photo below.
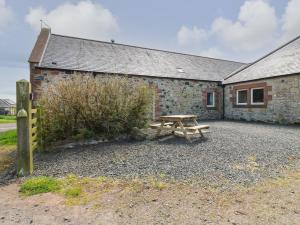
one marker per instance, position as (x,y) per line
(7,107)
(184,84)
(267,90)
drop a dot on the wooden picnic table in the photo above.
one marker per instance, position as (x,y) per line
(178,125)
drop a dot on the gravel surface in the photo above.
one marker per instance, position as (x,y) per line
(233,152)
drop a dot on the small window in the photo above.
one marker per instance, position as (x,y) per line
(257,96)
(210,99)
(241,97)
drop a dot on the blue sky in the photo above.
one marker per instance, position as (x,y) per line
(236,30)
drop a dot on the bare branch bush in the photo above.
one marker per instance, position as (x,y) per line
(102,105)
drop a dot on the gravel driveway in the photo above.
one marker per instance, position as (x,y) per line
(233,152)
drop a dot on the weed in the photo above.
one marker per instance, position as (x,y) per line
(70,178)
(78,200)
(73,192)
(157,184)
(101,179)
(39,185)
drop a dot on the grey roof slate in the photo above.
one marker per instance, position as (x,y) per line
(6,103)
(284,60)
(71,53)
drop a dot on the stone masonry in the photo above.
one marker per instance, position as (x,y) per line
(172,96)
(282,101)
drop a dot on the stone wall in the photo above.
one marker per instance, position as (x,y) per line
(282,101)
(172,96)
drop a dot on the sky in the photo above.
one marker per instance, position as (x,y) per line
(236,30)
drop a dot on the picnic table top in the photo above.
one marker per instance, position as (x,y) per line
(178,117)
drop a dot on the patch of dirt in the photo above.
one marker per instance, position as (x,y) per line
(274,201)
(7,155)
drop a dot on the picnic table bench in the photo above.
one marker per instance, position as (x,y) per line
(178,124)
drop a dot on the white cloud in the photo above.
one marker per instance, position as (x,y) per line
(255,26)
(291,20)
(6,14)
(84,19)
(212,52)
(34,16)
(186,36)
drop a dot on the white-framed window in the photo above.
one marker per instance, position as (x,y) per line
(242,97)
(257,96)
(210,99)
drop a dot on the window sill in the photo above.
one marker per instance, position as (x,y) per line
(250,106)
(258,103)
(211,107)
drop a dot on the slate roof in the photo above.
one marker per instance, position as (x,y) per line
(6,103)
(72,53)
(284,60)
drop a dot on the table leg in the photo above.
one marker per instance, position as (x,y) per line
(195,122)
(184,131)
(160,128)
(199,130)
(175,125)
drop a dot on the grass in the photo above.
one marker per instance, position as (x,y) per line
(8,141)
(73,192)
(263,203)
(157,184)
(80,191)
(38,185)
(272,201)
(8,138)
(70,186)
(7,119)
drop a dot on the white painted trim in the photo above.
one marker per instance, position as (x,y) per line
(213,93)
(257,103)
(237,97)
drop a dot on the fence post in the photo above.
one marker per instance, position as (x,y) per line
(24,158)
(40,125)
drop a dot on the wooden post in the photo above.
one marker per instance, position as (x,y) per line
(25,162)
(40,124)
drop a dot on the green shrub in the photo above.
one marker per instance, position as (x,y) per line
(83,106)
(38,185)
(83,134)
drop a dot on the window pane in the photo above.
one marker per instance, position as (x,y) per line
(210,98)
(242,96)
(258,95)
